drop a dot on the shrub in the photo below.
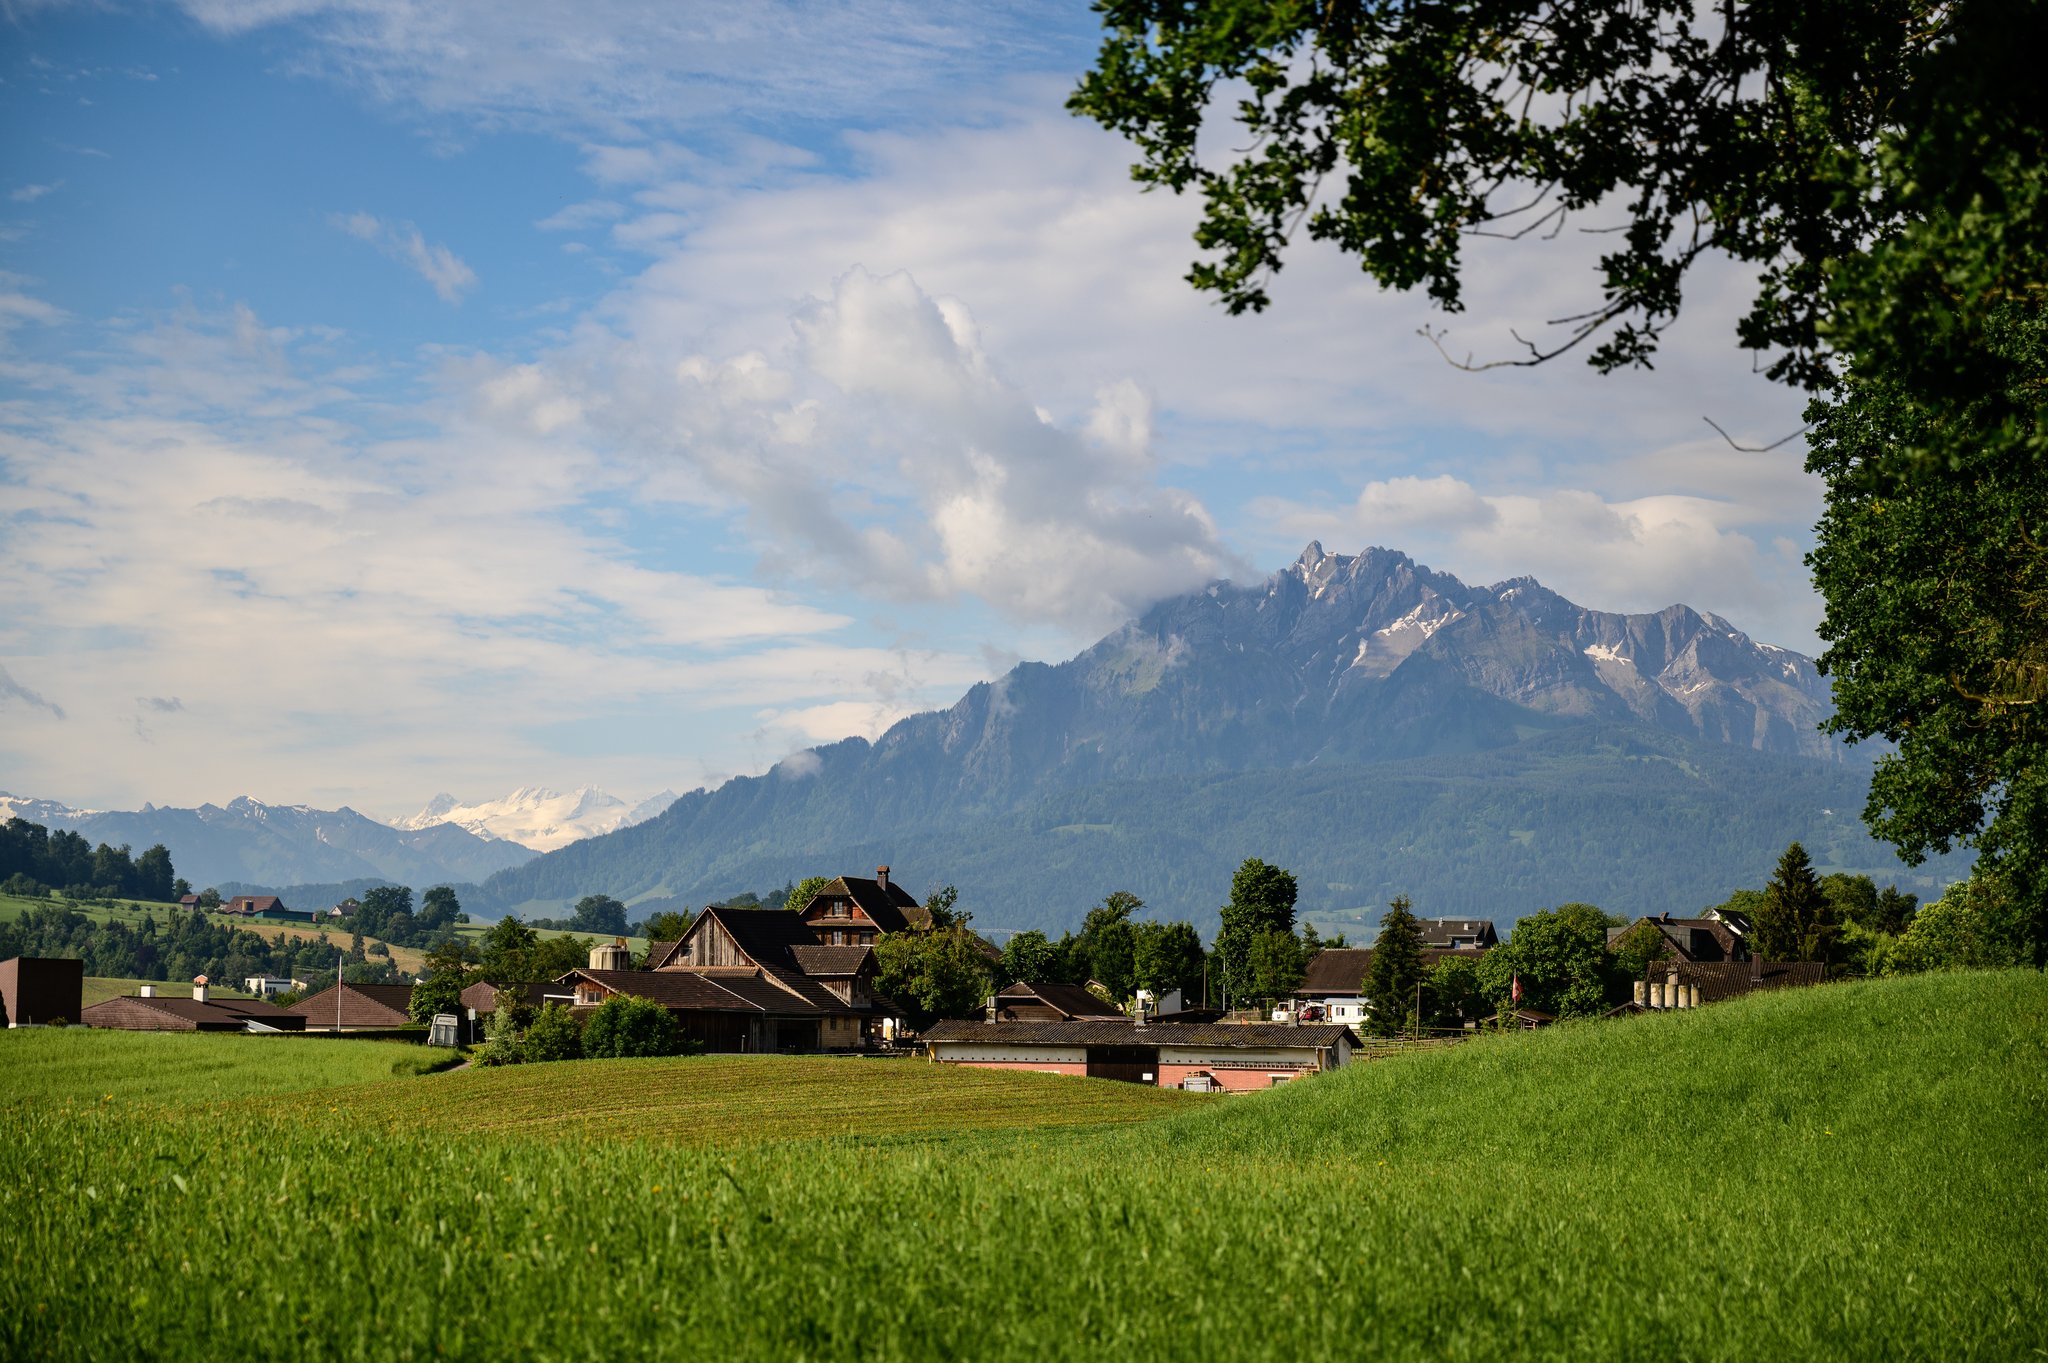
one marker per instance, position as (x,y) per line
(624,1027)
(554,1035)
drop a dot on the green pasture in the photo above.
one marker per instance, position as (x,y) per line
(100,988)
(1851,1172)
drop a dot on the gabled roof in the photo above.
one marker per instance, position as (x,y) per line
(362,1005)
(659,952)
(1069,1000)
(1253,1034)
(483,995)
(767,936)
(890,906)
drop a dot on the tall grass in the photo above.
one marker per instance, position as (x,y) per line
(1851,1172)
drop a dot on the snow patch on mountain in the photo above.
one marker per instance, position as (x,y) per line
(540,818)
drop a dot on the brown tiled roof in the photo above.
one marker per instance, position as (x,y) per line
(362,1005)
(1341,970)
(1071,999)
(1128,1034)
(829,962)
(483,995)
(659,952)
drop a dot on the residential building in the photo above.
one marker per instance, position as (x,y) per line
(36,990)
(150,1011)
(268,986)
(357,1008)
(751,980)
(1199,1056)
(1458,934)
(855,911)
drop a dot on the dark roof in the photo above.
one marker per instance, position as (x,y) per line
(723,989)
(1691,939)
(1438,932)
(1341,970)
(1128,1034)
(892,907)
(766,935)
(659,952)
(1069,999)
(1719,980)
(830,962)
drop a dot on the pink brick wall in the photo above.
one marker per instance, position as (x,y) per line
(1234,1081)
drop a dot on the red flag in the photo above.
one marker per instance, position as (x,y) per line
(1516,981)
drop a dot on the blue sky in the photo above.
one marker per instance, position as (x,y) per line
(400,398)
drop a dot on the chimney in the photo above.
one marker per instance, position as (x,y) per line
(149,991)
(882,876)
(991,997)
(199,988)
(1671,994)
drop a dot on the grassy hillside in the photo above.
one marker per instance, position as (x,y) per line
(1851,1172)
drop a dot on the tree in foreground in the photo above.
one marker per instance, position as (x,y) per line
(624,1027)
(1395,971)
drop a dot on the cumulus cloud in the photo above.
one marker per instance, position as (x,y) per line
(893,440)
(445,271)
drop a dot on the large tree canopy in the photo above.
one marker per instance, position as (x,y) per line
(1879,163)
(1792,134)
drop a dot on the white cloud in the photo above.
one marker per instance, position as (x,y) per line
(28,194)
(615,66)
(449,275)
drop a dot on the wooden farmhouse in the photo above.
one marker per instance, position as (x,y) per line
(853,911)
(750,980)
(1202,1057)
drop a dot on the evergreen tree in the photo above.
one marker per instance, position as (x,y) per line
(1396,969)
(1797,920)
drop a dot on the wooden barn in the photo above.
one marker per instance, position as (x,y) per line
(1201,1057)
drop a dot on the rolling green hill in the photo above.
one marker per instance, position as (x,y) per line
(1851,1172)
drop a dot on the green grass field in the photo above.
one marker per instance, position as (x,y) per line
(100,988)
(1851,1172)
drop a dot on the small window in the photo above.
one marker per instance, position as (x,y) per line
(1280,1079)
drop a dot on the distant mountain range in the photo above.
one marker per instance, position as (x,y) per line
(1378,727)
(539,818)
(251,843)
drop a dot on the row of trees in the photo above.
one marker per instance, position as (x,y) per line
(35,862)
(509,953)
(179,947)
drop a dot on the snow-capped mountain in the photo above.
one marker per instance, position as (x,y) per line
(249,842)
(539,818)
